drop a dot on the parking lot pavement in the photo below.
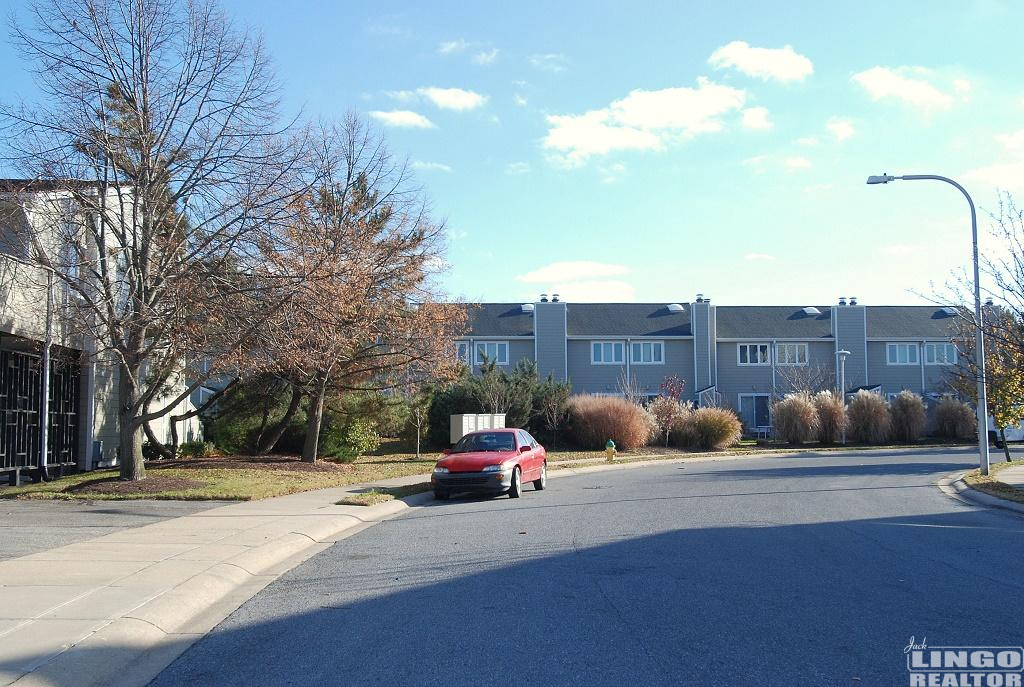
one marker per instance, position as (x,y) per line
(32,526)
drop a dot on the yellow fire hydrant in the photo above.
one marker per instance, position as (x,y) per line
(609,450)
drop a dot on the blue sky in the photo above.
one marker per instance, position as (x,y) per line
(651,151)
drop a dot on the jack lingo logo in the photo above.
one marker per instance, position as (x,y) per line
(964,666)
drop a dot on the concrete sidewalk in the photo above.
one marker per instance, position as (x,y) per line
(117,609)
(1013,476)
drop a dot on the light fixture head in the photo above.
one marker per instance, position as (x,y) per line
(880,179)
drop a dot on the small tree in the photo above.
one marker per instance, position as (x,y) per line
(673,386)
(666,411)
(418,398)
(554,405)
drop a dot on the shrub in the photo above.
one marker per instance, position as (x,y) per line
(196,449)
(831,416)
(796,419)
(908,416)
(358,438)
(868,418)
(666,410)
(954,419)
(593,420)
(709,429)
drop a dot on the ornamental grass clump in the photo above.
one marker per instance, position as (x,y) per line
(795,419)
(868,418)
(593,420)
(954,419)
(831,416)
(909,416)
(707,429)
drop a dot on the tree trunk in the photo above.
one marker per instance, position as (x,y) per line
(266,442)
(316,413)
(129,430)
(1006,446)
(167,452)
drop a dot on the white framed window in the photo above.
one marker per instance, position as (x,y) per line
(647,353)
(939,353)
(753,354)
(607,352)
(901,354)
(791,354)
(493,351)
(462,351)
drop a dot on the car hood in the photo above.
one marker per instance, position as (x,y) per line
(475,461)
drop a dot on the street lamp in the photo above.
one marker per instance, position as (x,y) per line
(841,358)
(979,335)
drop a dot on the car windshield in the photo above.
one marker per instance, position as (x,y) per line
(486,441)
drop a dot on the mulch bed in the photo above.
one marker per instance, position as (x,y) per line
(272,462)
(152,484)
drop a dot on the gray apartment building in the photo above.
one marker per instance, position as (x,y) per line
(736,356)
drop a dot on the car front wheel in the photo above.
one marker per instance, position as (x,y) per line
(516,490)
(541,483)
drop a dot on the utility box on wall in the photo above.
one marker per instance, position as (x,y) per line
(461,425)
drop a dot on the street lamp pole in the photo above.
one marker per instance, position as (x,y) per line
(979,336)
(841,357)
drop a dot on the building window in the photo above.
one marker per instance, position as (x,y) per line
(606,353)
(493,351)
(939,354)
(647,353)
(753,354)
(901,354)
(462,351)
(791,353)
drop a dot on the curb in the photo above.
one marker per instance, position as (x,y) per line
(130,651)
(955,487)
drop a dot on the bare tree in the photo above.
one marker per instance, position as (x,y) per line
(158,141)
(810,378)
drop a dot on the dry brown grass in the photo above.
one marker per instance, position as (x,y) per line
(795,419)
(593,420)
(831,416)
(708,429)
(954,419)
(908,415)
(868,416)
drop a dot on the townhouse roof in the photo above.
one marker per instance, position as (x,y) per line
(733,322)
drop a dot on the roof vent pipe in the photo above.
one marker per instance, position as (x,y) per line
(554,298)
(853,300)
(700,298)
(707,299)
(842,300)
(543,298)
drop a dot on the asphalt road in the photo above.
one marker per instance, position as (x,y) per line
(32,526)
(811,570)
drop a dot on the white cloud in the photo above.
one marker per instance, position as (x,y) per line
(758,257)
(611,173)
(807,141)
(900,250)
(1005,176)
(962,86)
(840,128)
(756,118)
(549,62)
(486,57)
(782,64)
(1012,142)
(401,96)
(453,98)
(404,119)
(516,168)
(797,162)
(431,166)
(909,85)
(572,270)
(643,120)
(595,291)
(452,47)
(519,99)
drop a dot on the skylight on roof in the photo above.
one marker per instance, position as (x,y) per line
(949,310)
(811,310)
(674,307)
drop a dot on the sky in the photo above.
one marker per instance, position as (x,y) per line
(652,151)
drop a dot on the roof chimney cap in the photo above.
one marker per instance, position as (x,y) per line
(842,300)
(989,301)
(700,298)
(554,298)
(853,300)
(543,298)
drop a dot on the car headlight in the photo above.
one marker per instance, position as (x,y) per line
(494,468)
(439,470)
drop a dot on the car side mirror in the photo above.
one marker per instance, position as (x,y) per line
(446,452)
(524,449)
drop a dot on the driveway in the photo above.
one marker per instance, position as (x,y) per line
(32,526)
(810,570)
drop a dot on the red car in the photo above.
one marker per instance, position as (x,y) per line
(493,461)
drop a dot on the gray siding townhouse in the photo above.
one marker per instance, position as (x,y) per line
(82,412)
(737,356)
